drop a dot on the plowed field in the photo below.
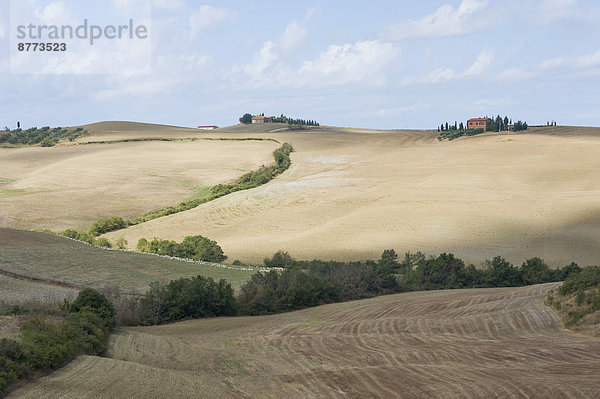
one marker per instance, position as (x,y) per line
(478,343)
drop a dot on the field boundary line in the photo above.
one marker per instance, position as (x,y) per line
(175,139)
(187,260)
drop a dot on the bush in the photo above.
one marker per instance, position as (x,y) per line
(195,297)
(142,245)
(103,242)
(49,345)
(93,301)
(192,247)
(48,143)
(121,243)
(279,259)
(587,278)
(105,225)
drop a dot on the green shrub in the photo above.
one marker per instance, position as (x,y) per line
(279,259)
(103,242)
(91,300)
(105,225)
(142,245)
(195,297)
(192,247)
(588,277)
(121,243)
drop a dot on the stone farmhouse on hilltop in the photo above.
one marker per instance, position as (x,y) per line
(480,123)
(261,119)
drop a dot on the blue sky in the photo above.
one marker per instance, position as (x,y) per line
(378,64)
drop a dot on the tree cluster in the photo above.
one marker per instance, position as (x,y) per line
(499,124)
(520,126)
(185,298)
(45,136)
(291,121)
(192,247)
(247,119)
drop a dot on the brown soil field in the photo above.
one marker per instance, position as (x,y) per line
(351,193)
(477,343)
(48,257)
(71,186)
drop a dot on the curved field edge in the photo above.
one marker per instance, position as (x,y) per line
(132,140)
(461,343)
(247,181)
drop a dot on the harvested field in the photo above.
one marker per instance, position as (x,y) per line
(50,257)
(18,291)
(71,186)
(476,343)
(351,193)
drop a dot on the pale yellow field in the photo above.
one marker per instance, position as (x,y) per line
(482,343)
(352,193)
(71,186)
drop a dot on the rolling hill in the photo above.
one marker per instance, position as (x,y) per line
(352,193)
(48,257)
(438,344)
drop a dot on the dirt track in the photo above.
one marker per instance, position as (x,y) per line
(441,344)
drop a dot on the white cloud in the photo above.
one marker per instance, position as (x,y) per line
(169,76)
(2,31)
(515,74)
(403,110)
(311,11)
(582,65)
(435,76)
(54,13)
(552,9)
(292,36)
(482,63)
(261,61)
(582,62)
(271,51)
(351,62)
(445,21)
(206,17)
(130,8)
(169,5)
(487,103)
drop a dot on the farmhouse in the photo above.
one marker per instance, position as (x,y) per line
(208,127)
(261,119)
(479,123)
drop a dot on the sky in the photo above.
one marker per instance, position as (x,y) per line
(377,64)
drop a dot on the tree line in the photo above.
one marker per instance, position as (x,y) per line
(192,247)
(44,136)
(247,119)
(310,283)
(90,318)
(255,178)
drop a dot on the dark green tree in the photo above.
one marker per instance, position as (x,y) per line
(246,119)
